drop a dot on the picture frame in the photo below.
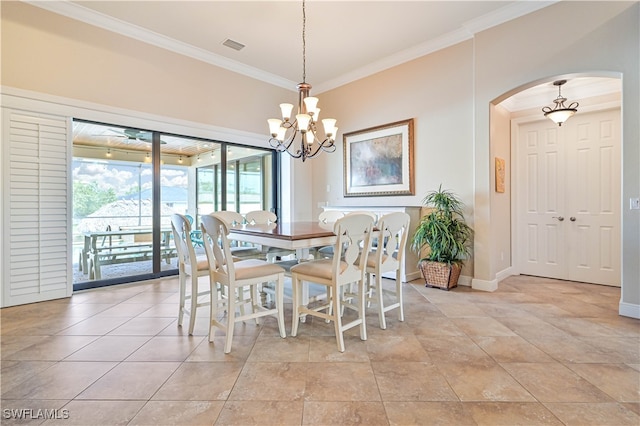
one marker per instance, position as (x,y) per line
(500,174)
(378,161)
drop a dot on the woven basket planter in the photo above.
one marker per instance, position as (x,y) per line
(440,275)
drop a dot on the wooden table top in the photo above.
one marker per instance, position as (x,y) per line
(287,230)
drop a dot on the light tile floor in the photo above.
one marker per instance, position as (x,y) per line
(535,352)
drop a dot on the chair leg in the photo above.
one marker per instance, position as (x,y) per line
(280,305)
(255,300)
(336,317)
(361,310)
(194,303)
(231,322)
(379,295)
(370,289)
(182,283)
(295,283)
(214,297)
(399,296)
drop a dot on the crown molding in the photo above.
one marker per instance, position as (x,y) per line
(505,14)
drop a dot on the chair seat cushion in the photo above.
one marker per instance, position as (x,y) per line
(202,263)
(253,268)
(322,268)
(371,259)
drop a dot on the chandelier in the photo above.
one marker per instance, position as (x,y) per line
(299,138)
(560,113)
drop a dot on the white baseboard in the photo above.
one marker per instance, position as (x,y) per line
(413,276)
(629,310)
(484,285)
(505,273)
(464,280)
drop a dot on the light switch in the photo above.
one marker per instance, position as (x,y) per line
(634,203)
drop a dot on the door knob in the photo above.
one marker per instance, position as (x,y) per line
(572,219)
(560,218)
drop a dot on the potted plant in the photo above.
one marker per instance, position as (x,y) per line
(443,238)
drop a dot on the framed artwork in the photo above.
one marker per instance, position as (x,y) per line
(499,174)
(379,161)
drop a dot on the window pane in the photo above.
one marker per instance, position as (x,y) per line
(112,207)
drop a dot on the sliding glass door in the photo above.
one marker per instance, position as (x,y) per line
(128,182)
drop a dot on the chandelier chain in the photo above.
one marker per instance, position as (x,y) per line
(304,44)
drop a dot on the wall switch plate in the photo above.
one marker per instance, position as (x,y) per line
(634,203)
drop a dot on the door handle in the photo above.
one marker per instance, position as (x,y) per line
(572,219)
(560,218)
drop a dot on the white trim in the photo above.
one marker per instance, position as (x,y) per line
(51,104)
(465,280)
(484,285)
(629,310)
(412,276)
(505,273)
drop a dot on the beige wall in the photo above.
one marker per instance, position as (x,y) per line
(500,140)
(448,93)
(52,54)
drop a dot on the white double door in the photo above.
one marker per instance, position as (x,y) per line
(568,198)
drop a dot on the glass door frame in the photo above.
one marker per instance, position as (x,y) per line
(156,164)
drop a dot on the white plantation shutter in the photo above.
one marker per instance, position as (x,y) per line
(37,208)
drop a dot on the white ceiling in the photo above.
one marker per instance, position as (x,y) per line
(345,40)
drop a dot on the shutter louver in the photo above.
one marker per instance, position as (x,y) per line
(39,255)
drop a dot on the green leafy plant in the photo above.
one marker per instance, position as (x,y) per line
(444,230)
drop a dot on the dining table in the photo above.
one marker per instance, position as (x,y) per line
(297,235)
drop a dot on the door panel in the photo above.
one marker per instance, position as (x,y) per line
(594,254)
(569,213)
(540,164)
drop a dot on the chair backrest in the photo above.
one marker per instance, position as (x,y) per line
(371,214)
(330,216)
(215,231)
(230,217)
(353,232)
(393,230)
(260,217)
(181,229)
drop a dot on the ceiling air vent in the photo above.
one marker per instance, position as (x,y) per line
(233,44)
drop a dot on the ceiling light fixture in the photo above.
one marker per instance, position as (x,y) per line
(560,113)
(285,133)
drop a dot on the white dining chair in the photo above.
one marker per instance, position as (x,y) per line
(233,218)
(189,266)
(347,266)
(264,217)
(236,278)
(388,256)
(327,217)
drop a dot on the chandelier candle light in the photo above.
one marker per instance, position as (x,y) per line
(560,113)
(299,138)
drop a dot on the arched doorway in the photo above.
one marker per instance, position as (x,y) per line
(564,195)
